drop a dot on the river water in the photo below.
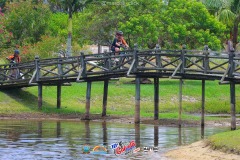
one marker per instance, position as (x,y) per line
(70,140)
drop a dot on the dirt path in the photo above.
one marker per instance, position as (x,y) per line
(199,151)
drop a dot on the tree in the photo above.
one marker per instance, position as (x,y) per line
(71,7)
(189,22)
(5,36)
(227,11)
(138,21)
(26,21)
(149,22)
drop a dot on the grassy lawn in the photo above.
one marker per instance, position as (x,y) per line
(226,141)
(121,99)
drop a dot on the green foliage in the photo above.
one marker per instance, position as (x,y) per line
(148,23)
(47,48)
(57,24)
(142,29)
(5,36)
(228,12)
(26,21)
(184,25)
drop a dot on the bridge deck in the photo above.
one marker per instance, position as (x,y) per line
(180,64)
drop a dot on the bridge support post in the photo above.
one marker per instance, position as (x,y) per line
(137,101)
(233,105)
(137,135)
(88,97)
(232,85)
(156,98)
(58,129)
(203,103)
(156,138)
(59,88)
(104,128)
(39,96)
(105,95)
(180,103)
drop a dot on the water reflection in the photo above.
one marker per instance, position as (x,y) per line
(65,140)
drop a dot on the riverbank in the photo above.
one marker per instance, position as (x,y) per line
(200,150)
(117,119)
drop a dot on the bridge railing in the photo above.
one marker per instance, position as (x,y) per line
(16,72)
(149,63)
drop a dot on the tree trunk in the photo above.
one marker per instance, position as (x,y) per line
(235,31)
(69,39)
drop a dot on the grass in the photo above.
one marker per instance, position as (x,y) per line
(226,141)
(121,99)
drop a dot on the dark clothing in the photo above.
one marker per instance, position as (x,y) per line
(114,45)
(116,41)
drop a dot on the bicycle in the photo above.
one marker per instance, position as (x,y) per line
(13,72)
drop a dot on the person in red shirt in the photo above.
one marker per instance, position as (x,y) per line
(14,58)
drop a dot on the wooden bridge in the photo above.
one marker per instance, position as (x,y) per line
(156,63)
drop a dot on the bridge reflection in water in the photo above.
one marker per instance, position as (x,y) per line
(64,139)
(157,63)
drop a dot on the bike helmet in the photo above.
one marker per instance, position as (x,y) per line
(119,33)
(16,52)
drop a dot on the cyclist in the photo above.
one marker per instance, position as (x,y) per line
(15,58)
(118,42)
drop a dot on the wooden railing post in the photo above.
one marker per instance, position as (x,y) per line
(109,61)
(183,58)
(37,67)
(60,69)
(158,57)
(83,64)
(206,59)
(39,83)
(231,63)
(135,57)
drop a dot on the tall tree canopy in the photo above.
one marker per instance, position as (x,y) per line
(170,23)
(26,21)
(70,7)
(227,11)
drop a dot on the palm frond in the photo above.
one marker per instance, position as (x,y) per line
(227,16)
